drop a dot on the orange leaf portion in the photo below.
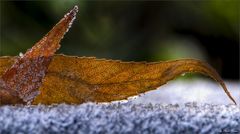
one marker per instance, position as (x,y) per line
(25,76)
(82,79)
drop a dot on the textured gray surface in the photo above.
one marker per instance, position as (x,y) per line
(135,116)
(120,118)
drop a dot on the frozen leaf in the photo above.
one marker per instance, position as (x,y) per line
(24,77)
(81,79)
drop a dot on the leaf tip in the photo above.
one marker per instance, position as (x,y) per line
(71,16)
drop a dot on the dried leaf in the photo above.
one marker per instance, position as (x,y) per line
(81,79)
(24,77)
(78,80)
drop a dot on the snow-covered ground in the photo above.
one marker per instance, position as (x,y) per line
(198,90)
(168,112)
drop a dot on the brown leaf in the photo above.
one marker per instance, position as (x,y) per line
(82,79)
(24,77)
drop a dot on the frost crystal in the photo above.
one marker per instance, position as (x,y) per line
(72,14)
(21,54)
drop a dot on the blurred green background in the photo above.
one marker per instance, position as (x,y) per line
(131,30)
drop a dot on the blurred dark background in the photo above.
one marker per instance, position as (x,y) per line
(135,30)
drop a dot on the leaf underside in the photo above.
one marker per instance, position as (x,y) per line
(81,79)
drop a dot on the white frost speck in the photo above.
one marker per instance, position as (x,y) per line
(183,74)
(73,13)
(21,54)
